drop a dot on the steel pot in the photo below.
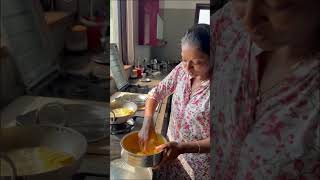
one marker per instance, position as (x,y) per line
(119,169)
(121,104)
(130,141)
(55,137)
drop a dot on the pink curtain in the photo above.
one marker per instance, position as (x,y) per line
(148,11)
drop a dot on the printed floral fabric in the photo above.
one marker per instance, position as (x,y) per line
(278,138)
(189,121)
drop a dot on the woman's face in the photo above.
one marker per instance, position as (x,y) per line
(278,23)
(195,62)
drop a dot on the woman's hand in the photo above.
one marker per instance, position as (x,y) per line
(171,151)
(146,133)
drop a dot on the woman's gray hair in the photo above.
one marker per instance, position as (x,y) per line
(198,36)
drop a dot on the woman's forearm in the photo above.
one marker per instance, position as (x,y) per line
(193,147)
(150,108)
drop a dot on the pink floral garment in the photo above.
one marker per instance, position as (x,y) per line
(189,121)
(277,139)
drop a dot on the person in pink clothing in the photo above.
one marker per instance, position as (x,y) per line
(265,97)
(187,154)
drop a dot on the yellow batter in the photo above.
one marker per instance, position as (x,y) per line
(35,160)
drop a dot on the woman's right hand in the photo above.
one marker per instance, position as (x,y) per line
(146,133)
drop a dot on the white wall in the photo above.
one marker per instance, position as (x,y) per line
(180,4)
(114,15)
(178,16)
(143,52)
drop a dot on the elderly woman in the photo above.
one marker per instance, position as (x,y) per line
(265,90)
(187,153)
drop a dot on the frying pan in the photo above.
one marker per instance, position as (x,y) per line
(55,137)
(117,103)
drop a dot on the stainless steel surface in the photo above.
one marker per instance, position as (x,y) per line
(138,99)
(122,104)
(89,120)
(55,137)
(52,113)
(34,46)
(121,170)
(116,67)
(138,160)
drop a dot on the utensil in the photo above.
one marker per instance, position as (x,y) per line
(145,80)
(129,143)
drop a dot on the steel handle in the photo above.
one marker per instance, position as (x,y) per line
(114,116)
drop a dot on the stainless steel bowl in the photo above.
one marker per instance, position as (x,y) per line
(129,142)
(121,104)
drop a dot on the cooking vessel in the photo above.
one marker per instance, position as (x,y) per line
(129,142)
(138,99)
(55,137)
(119,169)
(121,104)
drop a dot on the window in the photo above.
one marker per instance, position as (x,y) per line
(202,14)
(114,22)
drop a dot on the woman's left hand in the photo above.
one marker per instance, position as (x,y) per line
(171,151)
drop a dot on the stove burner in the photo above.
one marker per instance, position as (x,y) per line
(136,89)
(85,176)
(122,128)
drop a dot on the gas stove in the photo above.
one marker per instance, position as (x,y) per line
(122,128)
(132,88)
(89,176)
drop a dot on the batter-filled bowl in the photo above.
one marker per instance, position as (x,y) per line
(132,154)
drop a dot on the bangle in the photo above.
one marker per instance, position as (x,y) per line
(198,146)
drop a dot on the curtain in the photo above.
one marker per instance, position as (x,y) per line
(123,32)
(148,12)
(132,31)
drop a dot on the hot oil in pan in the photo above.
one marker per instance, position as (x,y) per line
(120,112)
(35,160)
